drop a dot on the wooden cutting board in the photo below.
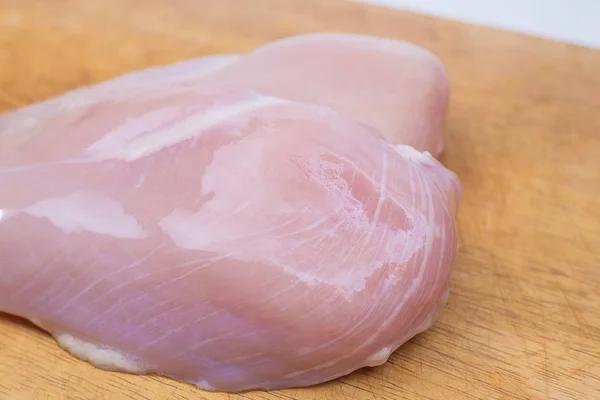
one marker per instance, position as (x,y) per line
(523,134)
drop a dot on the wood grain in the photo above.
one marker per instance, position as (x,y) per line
(523,133)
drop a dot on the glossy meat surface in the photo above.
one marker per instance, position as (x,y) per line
(218,235)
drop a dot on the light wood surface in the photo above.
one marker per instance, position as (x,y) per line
(523,134)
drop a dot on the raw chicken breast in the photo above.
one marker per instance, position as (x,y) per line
(225,238)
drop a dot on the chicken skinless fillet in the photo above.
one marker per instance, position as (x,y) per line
(220,235)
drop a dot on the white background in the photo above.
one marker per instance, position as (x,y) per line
(573,21)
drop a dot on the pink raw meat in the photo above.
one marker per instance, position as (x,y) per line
(218,235)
